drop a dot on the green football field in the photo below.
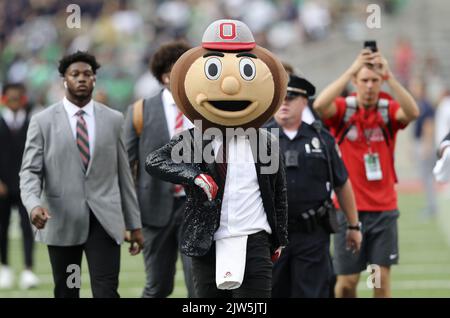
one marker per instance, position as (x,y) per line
(424,269)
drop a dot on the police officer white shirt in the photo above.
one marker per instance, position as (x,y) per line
(307,117)
(290,133)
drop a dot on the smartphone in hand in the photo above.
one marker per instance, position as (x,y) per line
(371,45)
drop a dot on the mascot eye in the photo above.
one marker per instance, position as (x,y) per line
(213,68)
(247,69)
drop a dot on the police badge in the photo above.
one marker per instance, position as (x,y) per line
(315,143)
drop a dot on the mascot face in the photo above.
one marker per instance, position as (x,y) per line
(230,83)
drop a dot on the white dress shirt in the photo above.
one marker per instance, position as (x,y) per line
(171,111)
(242,206)
(89,118)
(15,120)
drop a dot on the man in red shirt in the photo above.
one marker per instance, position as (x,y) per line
(365,125)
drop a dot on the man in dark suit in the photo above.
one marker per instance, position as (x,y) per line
(161,203)
(13,132)
(75,154)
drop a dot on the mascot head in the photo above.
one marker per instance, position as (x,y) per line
(228,81)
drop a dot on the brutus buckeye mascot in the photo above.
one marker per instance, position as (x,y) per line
(236,214)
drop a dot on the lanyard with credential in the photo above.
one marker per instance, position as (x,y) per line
(366,129)
(371,159)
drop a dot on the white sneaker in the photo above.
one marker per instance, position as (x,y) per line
(28,280)
(6,277)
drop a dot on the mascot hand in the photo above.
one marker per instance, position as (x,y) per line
(208,185)
(276,255)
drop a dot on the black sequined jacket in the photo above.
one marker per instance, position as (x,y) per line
(202,217)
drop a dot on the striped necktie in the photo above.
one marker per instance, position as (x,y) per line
(178,122)
(178,188)
(83,139)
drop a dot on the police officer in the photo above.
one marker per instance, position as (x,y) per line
(313,169)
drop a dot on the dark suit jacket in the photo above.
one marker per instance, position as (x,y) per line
(155,196)
(202,218)
(12,145)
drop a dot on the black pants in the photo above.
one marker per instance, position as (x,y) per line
(161,249)
(304,269)
(27,235)
(103,258)
(257,276)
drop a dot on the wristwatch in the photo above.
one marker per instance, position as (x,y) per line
(356,227)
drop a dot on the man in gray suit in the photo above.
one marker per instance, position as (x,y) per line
(75,154)
(162,203)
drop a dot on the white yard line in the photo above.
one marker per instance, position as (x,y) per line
(414,285)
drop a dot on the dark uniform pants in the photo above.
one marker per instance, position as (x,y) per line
(28,240)
(304,269)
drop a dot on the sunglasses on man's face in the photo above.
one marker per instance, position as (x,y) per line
(290,98)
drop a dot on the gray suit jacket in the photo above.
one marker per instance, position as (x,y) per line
(52,164)
(155,196)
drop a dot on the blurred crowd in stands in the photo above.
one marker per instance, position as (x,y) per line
(123,34)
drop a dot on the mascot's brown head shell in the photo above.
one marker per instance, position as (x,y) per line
(228,82)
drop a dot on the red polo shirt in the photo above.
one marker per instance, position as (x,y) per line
(366,134)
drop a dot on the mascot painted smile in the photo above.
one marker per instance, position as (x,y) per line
(235,219)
